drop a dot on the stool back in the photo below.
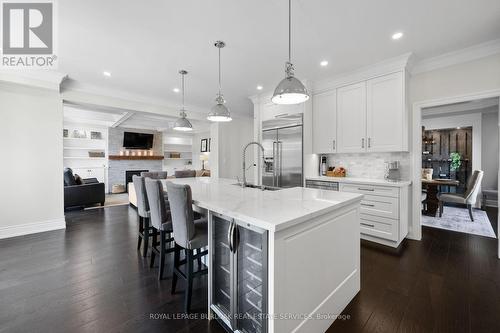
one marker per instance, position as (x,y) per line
(157,207)
(142,198)
(181,209)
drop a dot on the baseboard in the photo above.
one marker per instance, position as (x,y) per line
(32,228)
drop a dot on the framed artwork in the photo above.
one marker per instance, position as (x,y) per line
(96,135)
(65,133)
(209,144)
(204,145)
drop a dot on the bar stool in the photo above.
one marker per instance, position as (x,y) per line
(189,234)
(143,212)
(160,220)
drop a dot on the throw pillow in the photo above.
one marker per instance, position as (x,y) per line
(78,180)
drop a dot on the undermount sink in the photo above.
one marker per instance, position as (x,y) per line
(264,188)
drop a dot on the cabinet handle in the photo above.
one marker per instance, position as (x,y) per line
(333,144)
(368,225)
(366,189)
(367,205)
(369,142)
(363,143)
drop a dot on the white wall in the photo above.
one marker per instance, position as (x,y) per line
(197,137)
(489,162)
(31,199)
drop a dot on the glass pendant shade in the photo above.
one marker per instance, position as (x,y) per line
(182,124)
(290,91)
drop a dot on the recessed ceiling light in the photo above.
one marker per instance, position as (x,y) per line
(260,87)
(176,90)
(397,35)
(324,63)
(108,74)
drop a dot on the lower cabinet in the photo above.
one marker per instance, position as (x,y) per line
(238,288)
(384,213)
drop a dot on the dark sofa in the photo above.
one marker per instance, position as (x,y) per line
(82,192)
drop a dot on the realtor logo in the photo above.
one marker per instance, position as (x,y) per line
(28,34)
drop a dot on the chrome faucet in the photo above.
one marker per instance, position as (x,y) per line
(244,183)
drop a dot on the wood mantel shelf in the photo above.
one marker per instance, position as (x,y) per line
(123,157)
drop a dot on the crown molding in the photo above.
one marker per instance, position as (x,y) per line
(45,79)
(457,57)
(364,73)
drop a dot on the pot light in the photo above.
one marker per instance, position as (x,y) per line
(397,35)
(107,74)
(176,90)
(323,63)
(260,87)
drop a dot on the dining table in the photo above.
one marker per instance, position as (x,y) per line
(432,187)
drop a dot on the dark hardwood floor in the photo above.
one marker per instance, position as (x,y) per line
(90,278)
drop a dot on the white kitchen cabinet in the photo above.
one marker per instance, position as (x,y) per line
(385,113)
(325,123)
(351,118)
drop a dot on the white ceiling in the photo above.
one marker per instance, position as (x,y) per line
(144,44)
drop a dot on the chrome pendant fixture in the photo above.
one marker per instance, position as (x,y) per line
(290,90)
(219,112)
(182,124)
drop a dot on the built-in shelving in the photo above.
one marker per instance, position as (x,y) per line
(178,153)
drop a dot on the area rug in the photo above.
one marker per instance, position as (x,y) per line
(113,200)
(457,219)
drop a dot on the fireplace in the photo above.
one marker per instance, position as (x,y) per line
(130,173)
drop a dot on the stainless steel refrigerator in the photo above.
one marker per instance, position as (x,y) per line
(282,140)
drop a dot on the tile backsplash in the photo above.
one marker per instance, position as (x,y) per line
(370,165)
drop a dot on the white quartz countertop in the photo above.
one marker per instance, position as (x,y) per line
(368,181)
(270,210)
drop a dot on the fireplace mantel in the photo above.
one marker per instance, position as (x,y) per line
(135,158)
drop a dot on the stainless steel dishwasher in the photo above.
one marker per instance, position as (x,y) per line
(322,184)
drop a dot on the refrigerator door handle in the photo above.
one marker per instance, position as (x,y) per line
(280,171)
(275,162)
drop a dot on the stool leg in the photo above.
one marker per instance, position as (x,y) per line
(141,231)
(198,251)
(189,280)
(146,237)
(177,253)
(162,253)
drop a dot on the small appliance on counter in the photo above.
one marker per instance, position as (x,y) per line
(392,171)
(322,166)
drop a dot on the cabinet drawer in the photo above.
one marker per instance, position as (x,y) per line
(379,227)
(380,206)
(371,189)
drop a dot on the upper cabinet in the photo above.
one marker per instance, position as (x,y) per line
(324,117)
(351,118)
(372,116)
(385,113)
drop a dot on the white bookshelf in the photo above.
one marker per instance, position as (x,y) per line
(178,145)
(76,152)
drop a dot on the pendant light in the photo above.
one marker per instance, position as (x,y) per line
(182,124)
(219,111)
(290,90)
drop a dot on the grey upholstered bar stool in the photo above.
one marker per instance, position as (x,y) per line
(184,173)
(160,221)
(189,234)
(143,212)
(154,174)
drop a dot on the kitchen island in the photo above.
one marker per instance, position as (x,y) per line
(279,261)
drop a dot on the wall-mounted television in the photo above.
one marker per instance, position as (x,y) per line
(132,140)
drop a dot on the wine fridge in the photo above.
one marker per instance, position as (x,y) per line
(238,262)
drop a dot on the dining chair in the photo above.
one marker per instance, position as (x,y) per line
(468,198)
(160,222)
(189,234)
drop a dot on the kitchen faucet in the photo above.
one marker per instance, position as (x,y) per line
(244,184)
